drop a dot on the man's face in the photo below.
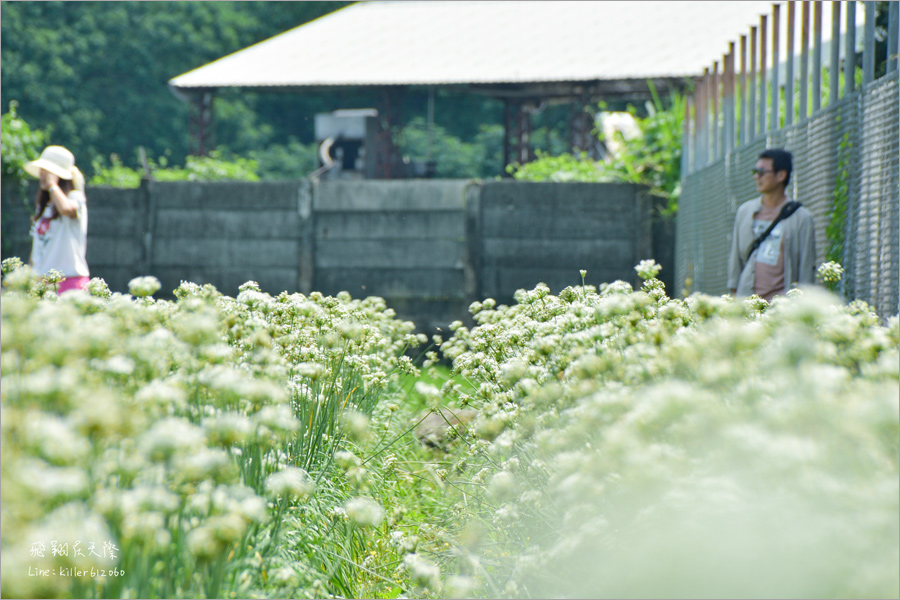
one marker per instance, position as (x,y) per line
(767,180)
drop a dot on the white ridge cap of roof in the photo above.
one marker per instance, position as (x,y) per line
(477,42)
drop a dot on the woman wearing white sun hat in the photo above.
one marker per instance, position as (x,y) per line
(59,224)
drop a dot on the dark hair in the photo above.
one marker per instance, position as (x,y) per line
(43,199)
(782,160)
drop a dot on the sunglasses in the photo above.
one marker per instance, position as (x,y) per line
(760,172)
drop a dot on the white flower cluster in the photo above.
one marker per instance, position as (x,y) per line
(648,269)
(365,512)
(291,483)
(141,287)
(830,272)
(170,423)
(618,426)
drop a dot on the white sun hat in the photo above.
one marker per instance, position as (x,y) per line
(55,159)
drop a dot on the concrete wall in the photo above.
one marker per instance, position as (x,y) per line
(402,240)
(547,232)
(429,247)
(225,233)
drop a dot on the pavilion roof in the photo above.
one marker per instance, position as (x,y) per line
(496,47)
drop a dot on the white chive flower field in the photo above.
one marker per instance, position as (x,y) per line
(598,442)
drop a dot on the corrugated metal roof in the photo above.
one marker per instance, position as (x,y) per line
(483,42)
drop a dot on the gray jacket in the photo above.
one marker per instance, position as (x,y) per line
(799,246)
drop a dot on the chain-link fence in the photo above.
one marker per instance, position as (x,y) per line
(856,140)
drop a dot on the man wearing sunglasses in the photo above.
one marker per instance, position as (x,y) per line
(774,242)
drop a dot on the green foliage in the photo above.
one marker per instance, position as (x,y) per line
(115,174)
(562,168)
(453,157)
(197,168)
(837,221)
(652,158)
(97,71)
(20,144)
(293,160)
(210,168)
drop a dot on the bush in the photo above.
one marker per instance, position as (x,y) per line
(197,168)
(19,144)
(562,169)
(289,161)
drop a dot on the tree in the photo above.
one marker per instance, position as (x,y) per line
(95,73)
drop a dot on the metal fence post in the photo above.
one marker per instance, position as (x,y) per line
(893,27)
(789,75)
(698,111)
(817,57)
(804,61)
(701,118)
(850,50)
(763,55)
(728,99)
(686,141)
(743,129)
(716,132)
(834,70)
(707,128)
(869,45)
(751,85)
(776,84)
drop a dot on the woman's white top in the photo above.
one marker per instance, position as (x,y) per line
(61,243)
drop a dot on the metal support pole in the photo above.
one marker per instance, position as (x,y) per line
(728,99)
(686,142)
(817,57)
(202,123)
(523,126)
(751,86)
(869,45)
(698,126)
(744,130)
(507,133)
(703,119)
(774,123)
(763,66)
(804,61)
(716,142)
(789,75)
(892,41)
(834,70)
(390,101)
(850,50)
(430,123)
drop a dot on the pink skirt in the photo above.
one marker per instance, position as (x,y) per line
(72,283)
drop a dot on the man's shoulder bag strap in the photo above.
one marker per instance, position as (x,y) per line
(786,211)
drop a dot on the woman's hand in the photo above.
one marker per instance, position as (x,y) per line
(48,179)
(64,206)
